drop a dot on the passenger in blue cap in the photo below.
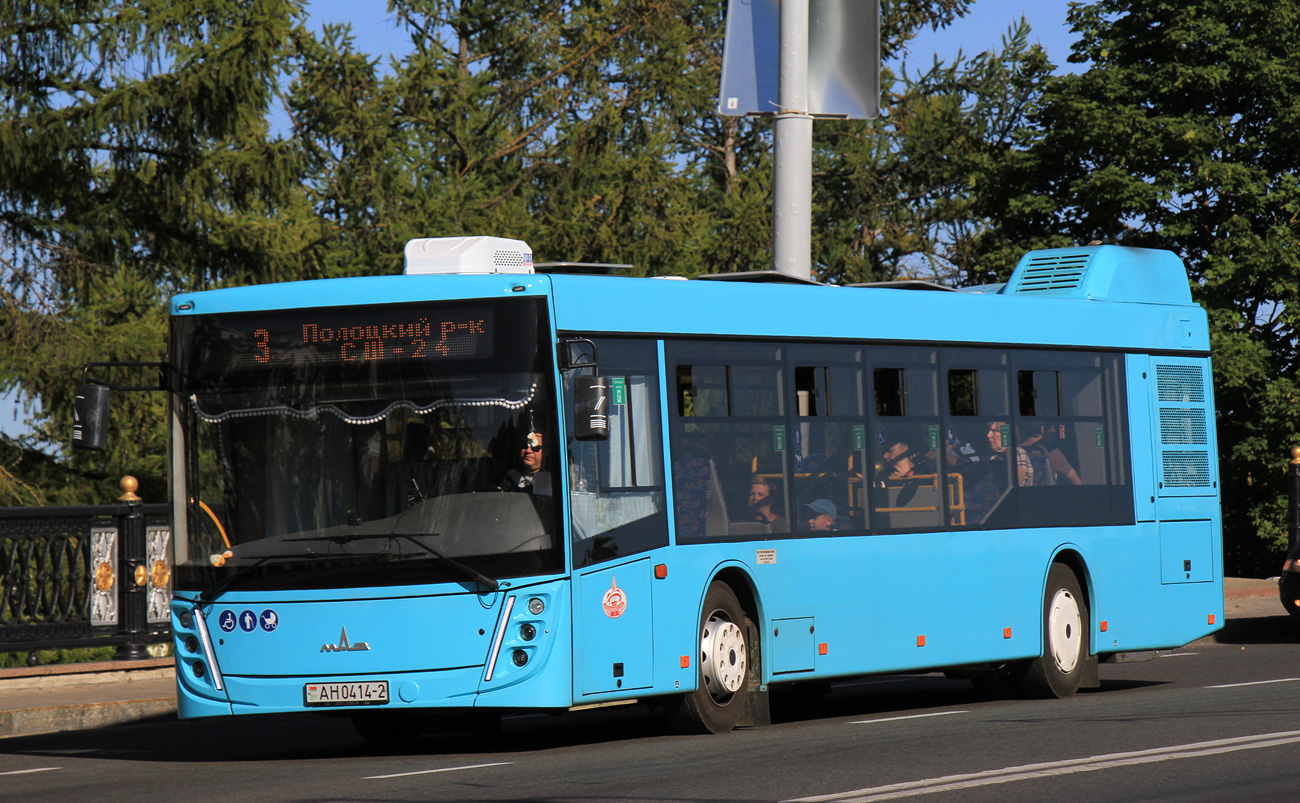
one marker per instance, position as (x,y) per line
(818,516)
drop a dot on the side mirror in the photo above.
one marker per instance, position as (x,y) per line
(591,408)
(90,417)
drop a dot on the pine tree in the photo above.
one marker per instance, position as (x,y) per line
(1184,133)
(134,162)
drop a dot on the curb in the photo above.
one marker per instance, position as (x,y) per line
(36,721)
(52,670)
(85,695)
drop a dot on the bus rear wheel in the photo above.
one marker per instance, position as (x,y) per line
(722,685)
(1059,670)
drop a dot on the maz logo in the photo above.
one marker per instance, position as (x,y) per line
(344,645)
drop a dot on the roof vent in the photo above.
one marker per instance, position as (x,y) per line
(1103,273)
(1055,272)
(468,255)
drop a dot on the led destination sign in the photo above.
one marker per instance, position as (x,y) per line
(366,337)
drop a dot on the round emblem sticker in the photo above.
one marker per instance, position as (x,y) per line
(268,620)
(615,601)
(247,621)
(227,620)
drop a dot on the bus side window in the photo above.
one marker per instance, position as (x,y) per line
(828,439)
(904,438)
(729,430)
(981,465)
(1064,430)
(616,486)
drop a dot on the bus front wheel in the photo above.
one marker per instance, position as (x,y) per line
(1059,670)
(723,676)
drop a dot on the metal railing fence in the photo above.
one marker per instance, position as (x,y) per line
(86,576)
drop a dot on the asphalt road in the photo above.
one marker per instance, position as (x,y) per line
(1208,722)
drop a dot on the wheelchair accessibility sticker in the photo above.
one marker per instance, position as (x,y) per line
(227,620)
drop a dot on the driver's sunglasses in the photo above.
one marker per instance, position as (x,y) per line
(527,448)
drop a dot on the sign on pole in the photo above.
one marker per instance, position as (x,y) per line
(843,59)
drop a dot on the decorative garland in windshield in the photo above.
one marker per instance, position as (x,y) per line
(314,412)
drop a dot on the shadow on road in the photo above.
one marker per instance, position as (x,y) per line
(317,737)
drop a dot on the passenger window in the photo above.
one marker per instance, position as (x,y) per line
(981,464)
(1039,393)
(810,390)
(616,486)
(889,391)
(702,391)
(905,441)
(962,398)
(730,439)
(828,441)
(1068,441)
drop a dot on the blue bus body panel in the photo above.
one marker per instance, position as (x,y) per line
(433,648)
(825,607)
(360,291)
(438,632)
(609,304)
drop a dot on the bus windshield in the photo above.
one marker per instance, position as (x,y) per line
(364,446)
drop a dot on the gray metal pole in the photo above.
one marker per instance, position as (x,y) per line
(792,129)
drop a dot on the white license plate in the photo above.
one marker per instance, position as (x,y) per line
(374,692)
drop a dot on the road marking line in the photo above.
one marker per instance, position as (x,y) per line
(949,783)
(912,716)
(1253,683)
(1177,654)
(25,772)
(444,769)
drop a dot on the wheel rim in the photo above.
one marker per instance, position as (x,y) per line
(723,657)
(1065,630)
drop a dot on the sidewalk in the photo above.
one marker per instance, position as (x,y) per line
(60,697)
(48,699)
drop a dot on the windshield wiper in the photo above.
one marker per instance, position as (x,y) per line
(222,586)
(473,574)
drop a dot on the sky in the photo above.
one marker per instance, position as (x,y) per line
(981,29)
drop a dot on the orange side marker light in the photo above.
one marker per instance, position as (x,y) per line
(686,662)
(920,641)
(661,571)
(1006,632)
(1104,625)
(822,648)
(1211,621)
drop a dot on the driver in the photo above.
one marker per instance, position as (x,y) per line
(529,476)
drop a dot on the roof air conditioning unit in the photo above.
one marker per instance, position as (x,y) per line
(467,255)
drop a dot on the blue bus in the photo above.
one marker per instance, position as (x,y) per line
(487,485)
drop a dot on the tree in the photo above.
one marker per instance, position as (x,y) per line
(1184,133)
(902,194)
(134,162)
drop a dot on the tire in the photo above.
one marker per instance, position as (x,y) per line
(1066,628)
(723,676)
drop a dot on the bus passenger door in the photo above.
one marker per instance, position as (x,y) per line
(618,514)
(613,639)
